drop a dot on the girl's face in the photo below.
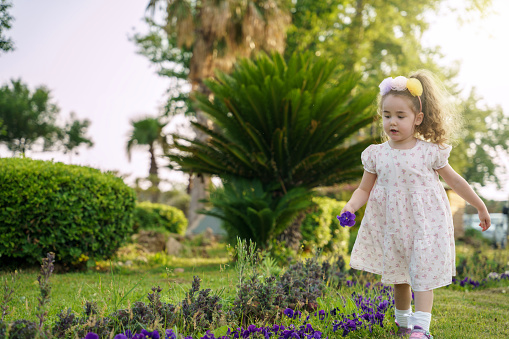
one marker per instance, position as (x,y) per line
(399,120)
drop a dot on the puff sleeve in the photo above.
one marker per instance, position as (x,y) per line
(368,159)
(440,156)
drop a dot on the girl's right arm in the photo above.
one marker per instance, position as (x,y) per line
(361,194)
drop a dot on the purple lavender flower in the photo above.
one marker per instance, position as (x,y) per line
(346,219)
(120,336)
(91,335)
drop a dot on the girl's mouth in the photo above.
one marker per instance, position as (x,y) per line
(394,131)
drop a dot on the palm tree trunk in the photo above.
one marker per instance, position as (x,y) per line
(201,67)
(292,236)
(198,184)
(153,175)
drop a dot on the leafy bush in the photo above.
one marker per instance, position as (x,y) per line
(76,212)
(321,229)
(251,211)
(150,216)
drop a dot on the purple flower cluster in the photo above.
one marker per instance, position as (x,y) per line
(292,314)
(468,282)
(144,334)
(304,331)
(370,311)
(346,219)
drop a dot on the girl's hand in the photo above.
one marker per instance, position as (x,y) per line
(347,208)
(484,216)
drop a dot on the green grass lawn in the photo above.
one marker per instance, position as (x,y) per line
(457,312)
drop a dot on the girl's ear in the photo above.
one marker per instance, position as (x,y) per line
(418,118)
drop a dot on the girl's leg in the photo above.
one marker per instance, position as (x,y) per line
(402,296)
(402,301)
(423,301)
(423,304)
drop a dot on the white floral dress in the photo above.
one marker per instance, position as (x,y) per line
(407,234)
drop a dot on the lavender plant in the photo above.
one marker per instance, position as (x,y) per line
(246,258)
(259,300)
(8,290)
(47,268)
(302,284)
(23,329)
(200,310)
(65,321)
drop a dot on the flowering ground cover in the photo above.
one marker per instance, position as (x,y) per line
(470,308)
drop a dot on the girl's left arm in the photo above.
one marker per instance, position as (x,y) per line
(461,186)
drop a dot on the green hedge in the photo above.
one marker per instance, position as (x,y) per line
(79,213)
(321,229)
(148,216)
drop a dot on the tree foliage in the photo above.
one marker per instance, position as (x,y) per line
(6,44)
(74,134)
(220,31)
(376,37)
(171,61)
(28,117)
(485,136)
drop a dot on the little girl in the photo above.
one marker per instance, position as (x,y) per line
(407,234)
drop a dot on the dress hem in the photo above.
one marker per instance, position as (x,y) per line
(371,270)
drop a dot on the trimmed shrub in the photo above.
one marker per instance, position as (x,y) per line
(150,216)
(321,229)
(79,213)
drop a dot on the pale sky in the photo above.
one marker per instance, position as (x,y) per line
(81,52)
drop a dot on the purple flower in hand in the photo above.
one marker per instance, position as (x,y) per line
(346,219)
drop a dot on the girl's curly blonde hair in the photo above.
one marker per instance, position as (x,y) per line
(441,122)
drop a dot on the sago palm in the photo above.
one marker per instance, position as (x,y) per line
(217,32)
(284,124)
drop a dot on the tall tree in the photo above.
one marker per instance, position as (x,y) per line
(217,32)
(28,117)
(75,135)
(6,44)
(149,132)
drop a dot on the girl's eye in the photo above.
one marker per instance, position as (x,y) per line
(401,117)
